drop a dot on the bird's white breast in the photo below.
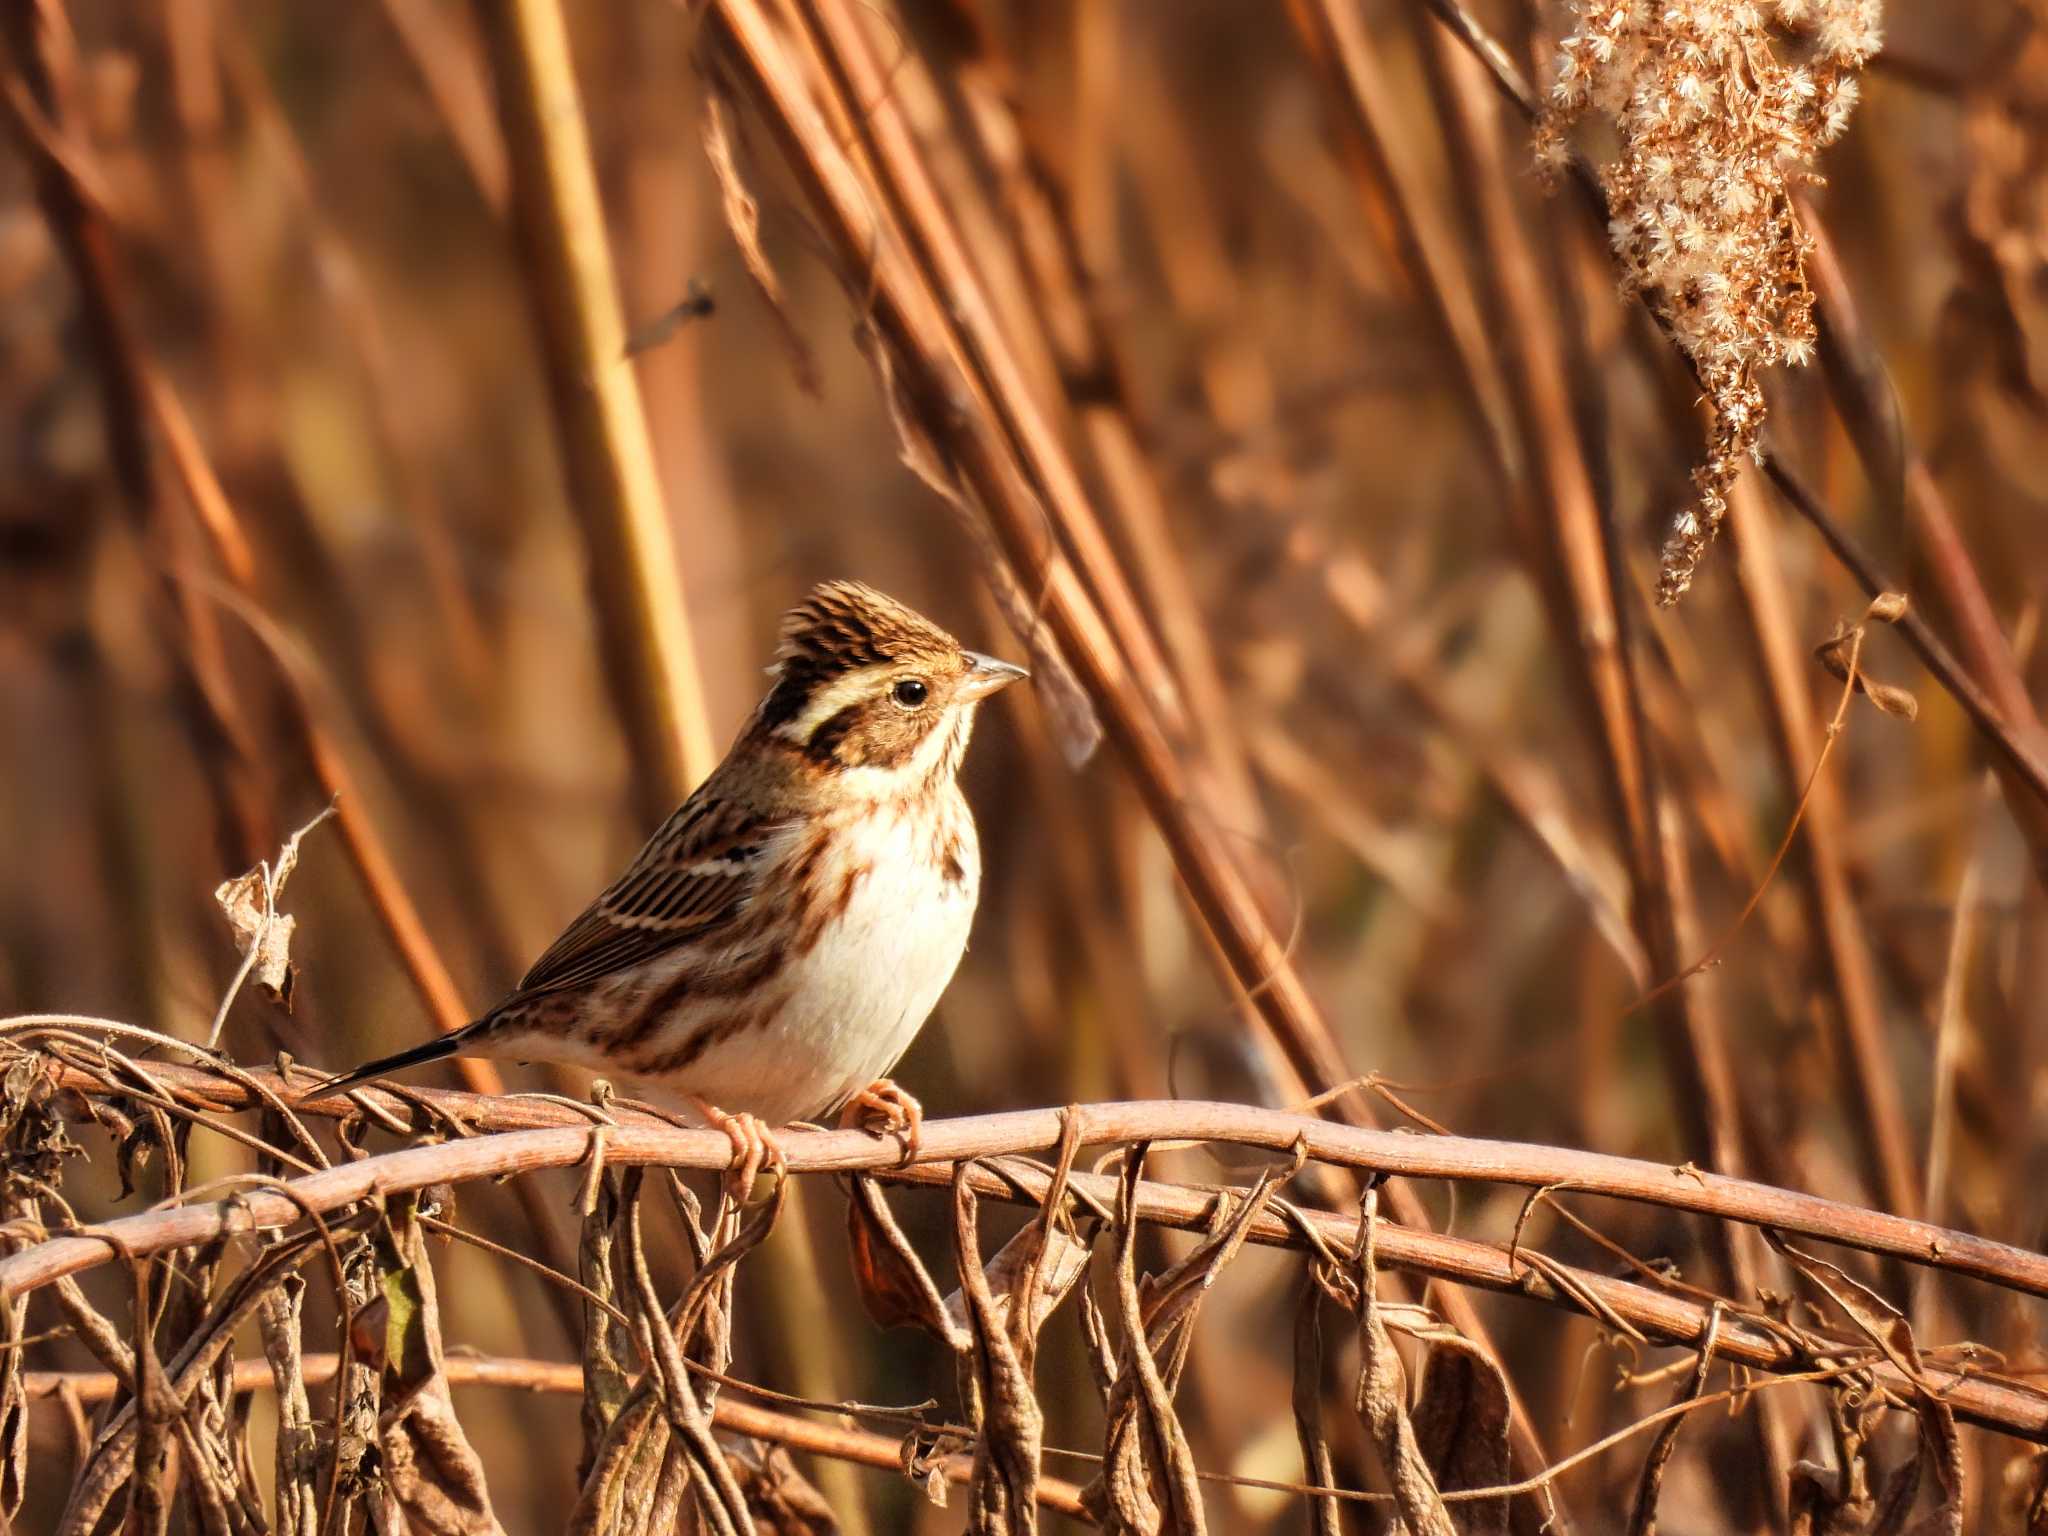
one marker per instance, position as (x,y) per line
(850,1004)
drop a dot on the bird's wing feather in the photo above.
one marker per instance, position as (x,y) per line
(692,879)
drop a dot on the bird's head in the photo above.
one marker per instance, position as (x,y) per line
(871,688)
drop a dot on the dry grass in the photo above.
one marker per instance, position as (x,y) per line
(384,432)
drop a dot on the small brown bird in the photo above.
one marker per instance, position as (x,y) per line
(777,945)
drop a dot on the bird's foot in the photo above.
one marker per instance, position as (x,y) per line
(753,1146)
(886,1110)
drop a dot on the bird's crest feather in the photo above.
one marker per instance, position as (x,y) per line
(841,625)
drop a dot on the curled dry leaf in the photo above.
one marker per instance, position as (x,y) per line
(1003,1495)
(1835,653)
(1043,1262)
(1171,1298)
(781,1499)
(1940,1445)
(432,1477)
(1461,1424)
(1317,1467)
(1895,1503)
(1382,1398)
(262,933)
(660,1448)
(1050,1263)
(895,1287)
(1148,1480)
(923,1456)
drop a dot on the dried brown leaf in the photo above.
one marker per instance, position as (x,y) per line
(1461,1424)
(1942,1450)
(433,1479)
(1003,1494)
(262,933)
(1895,1503)
(1317,1467)
(895,1287)
(1053,1263)
(721,1507)
(923,1455)
(1940,1444)
(1382,1398)
(1834,653)
(781,1499)
(1171,1299)
(1148,1480)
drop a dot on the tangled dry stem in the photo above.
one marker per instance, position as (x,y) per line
(660,1431)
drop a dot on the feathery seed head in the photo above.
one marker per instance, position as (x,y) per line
(1717,115)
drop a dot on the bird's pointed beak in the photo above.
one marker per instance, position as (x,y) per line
(986,675)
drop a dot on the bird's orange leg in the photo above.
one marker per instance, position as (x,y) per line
(886,1110)
(753,1145)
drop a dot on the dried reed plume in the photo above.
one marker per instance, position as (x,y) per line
(1716,119)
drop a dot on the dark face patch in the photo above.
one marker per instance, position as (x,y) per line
(873,734)
(880,729)
(843,630)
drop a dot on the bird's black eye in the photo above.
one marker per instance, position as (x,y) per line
(909,692)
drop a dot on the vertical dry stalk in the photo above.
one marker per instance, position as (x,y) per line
(1870,1088)
(926,228)
(143,395)
(44,60)
(1705,1090)
(1334,34)
(368,852)
(907,316)
(1860,389)
(1097,388)
(643,621)
(926,369)
(2017,751)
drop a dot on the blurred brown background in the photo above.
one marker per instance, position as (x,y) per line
(308,208)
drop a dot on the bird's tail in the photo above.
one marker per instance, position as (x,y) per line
(439,1048)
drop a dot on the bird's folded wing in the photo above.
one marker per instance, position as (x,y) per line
(689,882)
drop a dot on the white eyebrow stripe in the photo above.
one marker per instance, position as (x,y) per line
(827,701)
